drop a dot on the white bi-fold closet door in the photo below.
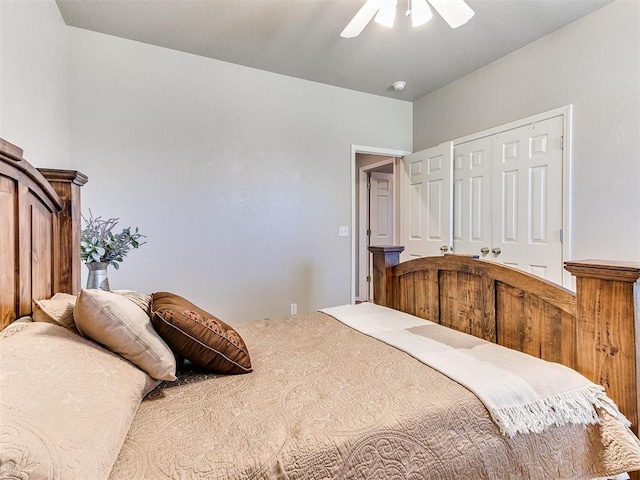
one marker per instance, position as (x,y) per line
(503,202)
(426,213)
(508,198)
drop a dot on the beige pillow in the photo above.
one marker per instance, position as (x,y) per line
(120,325)
(57,310)
(143,300)
(67,404)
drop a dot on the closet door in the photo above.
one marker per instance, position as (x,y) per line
(527,198)
(427,197)
(472,197)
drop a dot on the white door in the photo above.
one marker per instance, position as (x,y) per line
(472,163)
(527,198)
(427,197)
(381,208)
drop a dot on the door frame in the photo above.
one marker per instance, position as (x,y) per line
(568,281)
(355,173)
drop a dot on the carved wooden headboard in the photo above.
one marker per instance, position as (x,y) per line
(39,234)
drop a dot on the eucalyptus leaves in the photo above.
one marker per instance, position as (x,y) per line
(99,244)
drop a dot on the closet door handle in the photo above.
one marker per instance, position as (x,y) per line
(496,251)
(484,250)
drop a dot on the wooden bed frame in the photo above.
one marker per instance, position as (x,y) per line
(593,331)
(40,233)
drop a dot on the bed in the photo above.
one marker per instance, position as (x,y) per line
(319,399)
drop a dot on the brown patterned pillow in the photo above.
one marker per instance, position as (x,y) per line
(198,336)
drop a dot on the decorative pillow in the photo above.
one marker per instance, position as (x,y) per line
(57,310)
(67,404)
(120,325)
(143,300)
(198,336)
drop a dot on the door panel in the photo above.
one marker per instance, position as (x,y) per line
(508,195)
(507,198)
(472,196)
(381,209)
(381,221)
(527,222)
(509,206)
(427,194)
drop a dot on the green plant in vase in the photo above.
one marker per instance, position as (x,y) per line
(101,247)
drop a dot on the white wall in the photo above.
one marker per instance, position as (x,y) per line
(34,95)
(593,64)
(240,178)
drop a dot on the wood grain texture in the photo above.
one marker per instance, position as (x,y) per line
(35,259)
(593,331)
(8,279)
(383,257)
(67,184)
(608,311)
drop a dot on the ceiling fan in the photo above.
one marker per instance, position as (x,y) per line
(454,12)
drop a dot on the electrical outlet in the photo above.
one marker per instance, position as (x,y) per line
(294,308)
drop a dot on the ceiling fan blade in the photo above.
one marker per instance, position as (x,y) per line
(420,12)
(361,19)
(387,13)
(454,12)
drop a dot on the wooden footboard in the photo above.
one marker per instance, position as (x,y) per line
(592,331)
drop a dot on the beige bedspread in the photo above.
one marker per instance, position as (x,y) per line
(325,401)
(522,393)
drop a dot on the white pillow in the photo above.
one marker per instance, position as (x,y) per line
(124,328)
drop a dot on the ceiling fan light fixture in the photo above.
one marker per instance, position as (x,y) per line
(387,13)
(454,12)
(420,12)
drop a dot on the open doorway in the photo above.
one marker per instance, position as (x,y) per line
(377,218)
(375,176)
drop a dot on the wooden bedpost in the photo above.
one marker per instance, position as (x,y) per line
(608,322)
(383,257)
(67,184)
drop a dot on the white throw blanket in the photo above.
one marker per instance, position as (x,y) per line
(522,393)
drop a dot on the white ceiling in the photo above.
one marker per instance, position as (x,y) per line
(301,38)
